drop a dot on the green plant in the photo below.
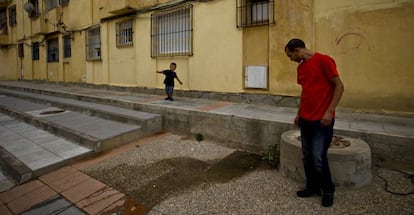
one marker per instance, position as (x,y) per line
(199,137)
(272,156)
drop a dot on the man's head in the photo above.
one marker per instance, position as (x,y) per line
(173,66)
(293,50)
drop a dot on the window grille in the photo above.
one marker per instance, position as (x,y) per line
(93,44)
(12,16)
(3,21)
(67,52)
(124,33)
(172,32)
(35,51)
(50,4)
(53,50)
(35,13)
(254,12)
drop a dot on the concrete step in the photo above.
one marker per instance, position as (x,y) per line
(27,152)
(150,123)
(93,132)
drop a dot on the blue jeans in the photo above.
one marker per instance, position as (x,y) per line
(315,143)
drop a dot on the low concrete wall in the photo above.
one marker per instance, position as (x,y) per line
(247,134)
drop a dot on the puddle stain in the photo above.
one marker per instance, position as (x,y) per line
(129,207)
(176,175)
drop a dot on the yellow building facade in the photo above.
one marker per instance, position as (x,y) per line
(223,46)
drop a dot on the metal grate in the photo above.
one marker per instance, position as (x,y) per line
(93,44)
(124,33)
(254,12)
(172,32)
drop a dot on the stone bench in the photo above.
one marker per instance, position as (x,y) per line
(350,163)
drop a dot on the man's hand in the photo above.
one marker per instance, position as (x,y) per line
(327,118)
(296,121)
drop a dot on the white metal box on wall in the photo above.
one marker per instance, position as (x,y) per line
(256,77)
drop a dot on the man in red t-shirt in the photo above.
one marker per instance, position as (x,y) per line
(321,91)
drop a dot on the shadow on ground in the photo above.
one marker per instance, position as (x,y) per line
(152,183)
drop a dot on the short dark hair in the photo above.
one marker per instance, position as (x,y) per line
(173,64)
(294,43)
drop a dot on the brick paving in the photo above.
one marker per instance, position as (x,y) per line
(85,193)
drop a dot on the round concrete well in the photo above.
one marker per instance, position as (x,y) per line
(349,160)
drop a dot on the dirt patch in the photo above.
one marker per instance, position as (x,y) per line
(150,184)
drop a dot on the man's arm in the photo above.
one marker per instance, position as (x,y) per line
(338,91)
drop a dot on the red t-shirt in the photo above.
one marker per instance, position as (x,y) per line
(314,76)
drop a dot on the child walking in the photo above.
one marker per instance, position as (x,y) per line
(169,80)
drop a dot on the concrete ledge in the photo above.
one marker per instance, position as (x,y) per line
(14,167)
(350,166)
(150,123)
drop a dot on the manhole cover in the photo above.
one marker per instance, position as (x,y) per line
(337,142)
(51,112)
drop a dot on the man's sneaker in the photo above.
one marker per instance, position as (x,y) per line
(171,99)
(327,199)
(307,193)
(168,98)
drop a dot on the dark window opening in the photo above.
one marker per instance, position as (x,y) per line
(53,50)
(12,16)
(20,50)
(35,51)
(35,12)
(67,52)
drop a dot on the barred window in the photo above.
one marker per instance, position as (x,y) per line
(124,33)
(172,32)
(93,44)
(53,50)
(67,52)
(3,21)
(35,51)
(254,12)
(12,15)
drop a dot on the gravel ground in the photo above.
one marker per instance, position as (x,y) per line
(169,176)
